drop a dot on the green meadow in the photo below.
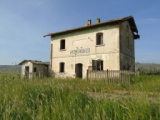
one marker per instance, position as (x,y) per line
(76,99)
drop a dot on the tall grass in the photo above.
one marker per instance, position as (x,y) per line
(146,83)
(56,99)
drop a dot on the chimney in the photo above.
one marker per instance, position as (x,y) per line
(89,22)
(98,20)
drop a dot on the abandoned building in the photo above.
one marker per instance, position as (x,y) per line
(100,46)
(34,68)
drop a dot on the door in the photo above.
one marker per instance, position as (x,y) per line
(79,70)
(27,71)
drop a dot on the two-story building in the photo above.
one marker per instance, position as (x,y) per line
(100,46)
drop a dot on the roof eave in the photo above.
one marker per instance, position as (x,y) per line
(130,19)
(34,62)
(83,27)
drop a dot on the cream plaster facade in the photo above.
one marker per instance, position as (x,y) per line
(116,52)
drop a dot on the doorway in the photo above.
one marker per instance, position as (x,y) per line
(27,71)
(79,70)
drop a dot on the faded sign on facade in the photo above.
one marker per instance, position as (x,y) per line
(79,51)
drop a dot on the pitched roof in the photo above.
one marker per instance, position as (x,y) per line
(130,19)
(34,62)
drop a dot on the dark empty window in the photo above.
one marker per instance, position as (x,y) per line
(61,67)
(97,65)
(62,44)
(35,69)
(99,38)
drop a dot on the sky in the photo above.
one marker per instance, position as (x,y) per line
(23,23)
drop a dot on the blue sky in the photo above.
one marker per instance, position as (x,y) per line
(24,22)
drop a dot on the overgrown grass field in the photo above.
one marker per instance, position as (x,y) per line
(76,99)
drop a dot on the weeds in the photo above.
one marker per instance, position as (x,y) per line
(58,99)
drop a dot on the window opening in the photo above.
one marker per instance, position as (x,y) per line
(99,38)
(62,44)
(35,69)
(61,67)
(97,65)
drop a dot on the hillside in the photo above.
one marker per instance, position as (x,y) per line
(147,67)
(10,68)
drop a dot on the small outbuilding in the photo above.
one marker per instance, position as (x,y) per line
(34,68)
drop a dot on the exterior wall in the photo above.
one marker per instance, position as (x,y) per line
(85,41)
(127,55)
(41,70)
(30,65)
(111,62)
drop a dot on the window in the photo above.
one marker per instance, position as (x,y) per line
(99,38)
(61,67)
(35,69)
(97,65)
(62,44)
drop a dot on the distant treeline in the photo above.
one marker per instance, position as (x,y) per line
(10,68)
(147,68)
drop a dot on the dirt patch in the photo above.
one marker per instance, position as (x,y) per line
(119,94)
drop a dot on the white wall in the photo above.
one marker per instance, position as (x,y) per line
(86,39)
(41,70)
(30,69)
